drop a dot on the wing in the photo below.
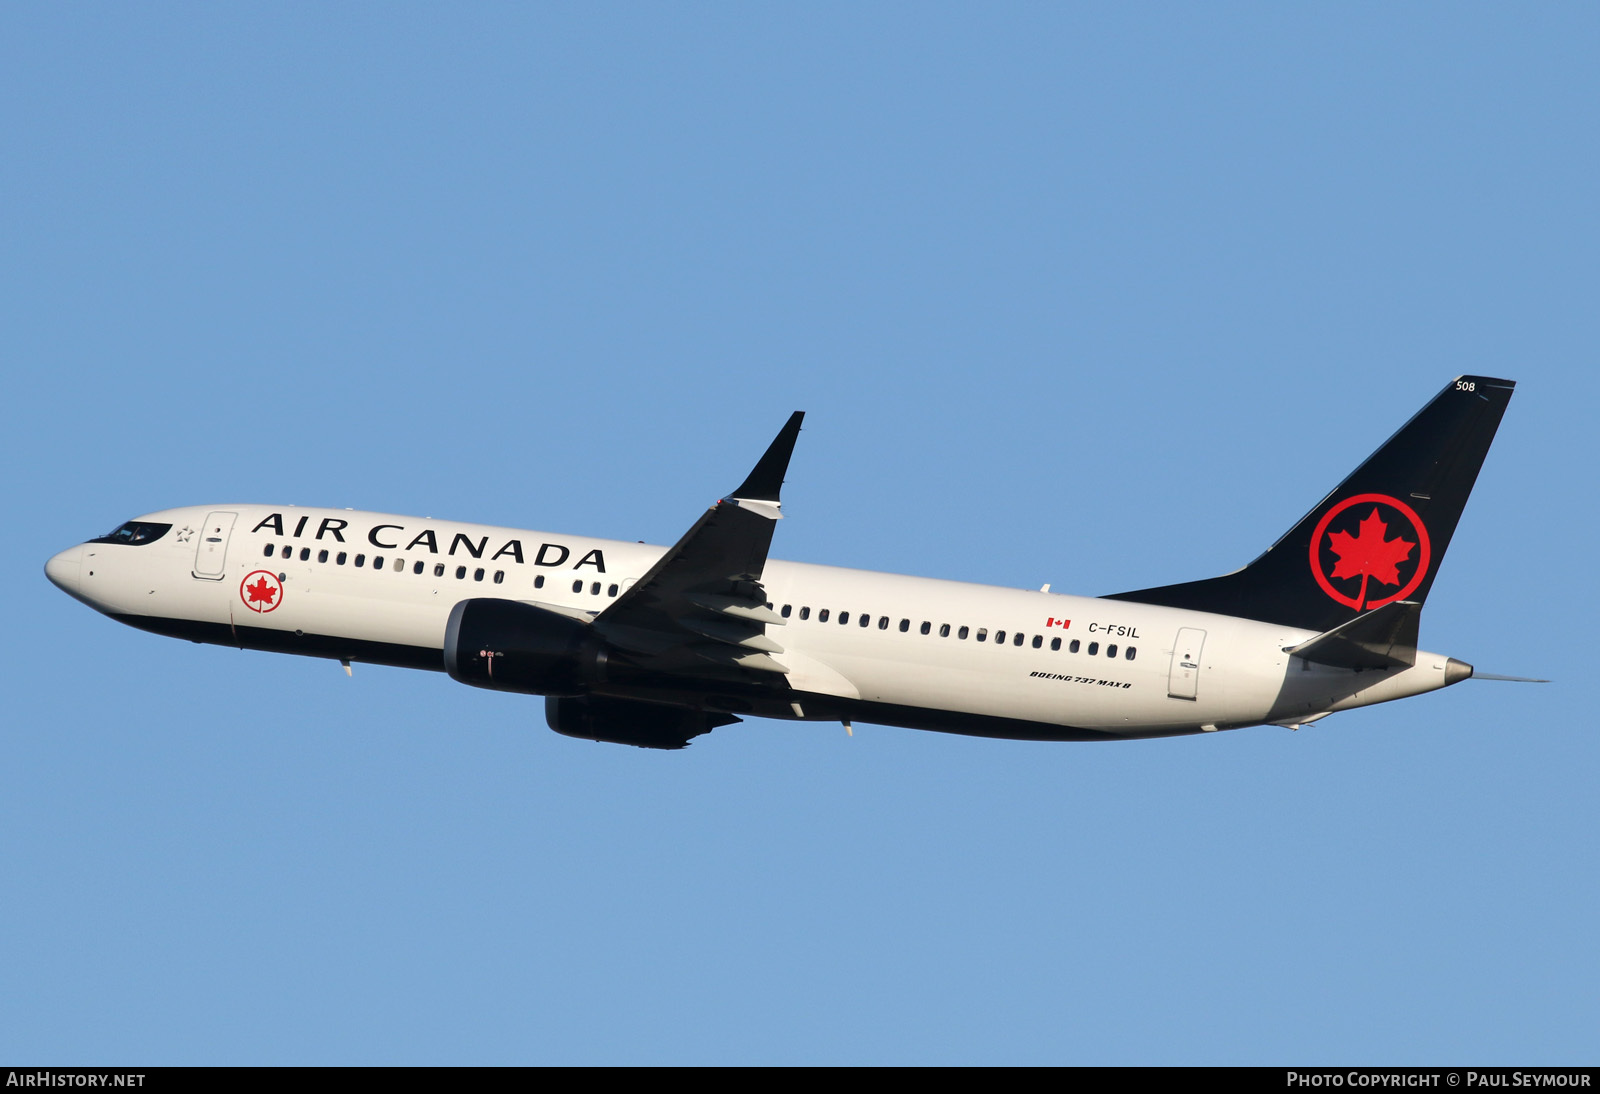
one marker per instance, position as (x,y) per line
(702,604)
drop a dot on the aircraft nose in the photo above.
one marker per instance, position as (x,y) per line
(63,569)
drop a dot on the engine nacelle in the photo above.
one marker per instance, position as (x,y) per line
(629,722)
(510,646)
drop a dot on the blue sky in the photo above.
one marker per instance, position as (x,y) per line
(1104,296)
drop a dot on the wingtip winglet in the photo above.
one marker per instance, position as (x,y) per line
(766,479)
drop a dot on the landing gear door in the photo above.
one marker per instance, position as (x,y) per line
(211,552)
(1183,681)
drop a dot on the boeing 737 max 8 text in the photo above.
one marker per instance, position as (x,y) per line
(653,646)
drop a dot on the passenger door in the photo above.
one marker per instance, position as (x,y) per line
(211,552)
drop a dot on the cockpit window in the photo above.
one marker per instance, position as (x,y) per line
(135,533)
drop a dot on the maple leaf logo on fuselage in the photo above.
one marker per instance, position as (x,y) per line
(261,591)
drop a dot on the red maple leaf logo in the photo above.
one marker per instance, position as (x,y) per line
(1367,554)
(260,593)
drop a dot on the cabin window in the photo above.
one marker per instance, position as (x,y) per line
(1111,650)
(844,619)
(611,590)
(866,620)
(287,550)
(477,575)
(883,622)
(538,581)
(999,638)
(1055,643)
(1094,648)
(377,562)
(268,552)
(822,616)
(926,626)
(399,565)
(1038,640)
(787,608)
(1016,639)
(1127,654)
(499,577)
(905,625)
(340,558)
(361,560)
(418,566)
(438,569)
(805,612)
(983,634)
(577,586)
(461,573)
(594,589)
(1073,648)
(944,630)
(962,634)
(322,555)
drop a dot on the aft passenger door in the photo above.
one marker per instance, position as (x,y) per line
(211,552)
(1183,679)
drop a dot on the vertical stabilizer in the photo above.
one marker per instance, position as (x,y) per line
(1379,537)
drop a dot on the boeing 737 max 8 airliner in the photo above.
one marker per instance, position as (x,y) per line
(653,646)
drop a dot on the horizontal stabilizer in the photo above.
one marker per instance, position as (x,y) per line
(1384,638)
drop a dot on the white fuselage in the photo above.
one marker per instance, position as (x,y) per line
(942,648)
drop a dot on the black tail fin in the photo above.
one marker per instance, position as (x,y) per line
(1379,537)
